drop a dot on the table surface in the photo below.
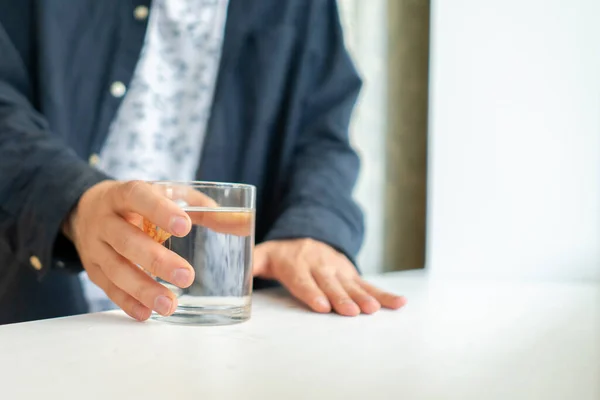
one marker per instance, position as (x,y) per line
(455,340)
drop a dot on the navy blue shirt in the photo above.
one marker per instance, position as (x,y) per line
(286,88)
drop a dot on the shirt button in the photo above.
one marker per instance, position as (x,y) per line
(35,262)
(60,264)
(94,160)
(118,89)
(140,13)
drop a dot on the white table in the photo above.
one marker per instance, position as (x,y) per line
(455,340)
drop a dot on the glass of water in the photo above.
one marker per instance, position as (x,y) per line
(219,248)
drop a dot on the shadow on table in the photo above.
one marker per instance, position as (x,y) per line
(274,298)
(115,317)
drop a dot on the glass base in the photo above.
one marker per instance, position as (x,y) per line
(210,315)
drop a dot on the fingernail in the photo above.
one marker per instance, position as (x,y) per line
(322,302)
(401,301)
(162,305)
(179,226)
(348,307)
(182,277)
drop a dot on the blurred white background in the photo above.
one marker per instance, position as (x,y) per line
(514,160)
(514,128)
(365,24)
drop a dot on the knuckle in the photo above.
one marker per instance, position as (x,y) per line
(300,281)
(157,260)
(139,292)
(344,300)
(343,261)
(127,190)
(108,266)
(123,242)
(346,275)
(128,304)
(160,204)
(347,282)
(104,230)
(306,244)
(355,292)
(324,271)
(329,286)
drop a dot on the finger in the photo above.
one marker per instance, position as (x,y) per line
(338,297)
(239,223)
(367,303)
(139,197)
(194,198)
(133,281)
(260,261)
(184,195)
(387,300)
(301,285)
(137,247)
(207,212)
(220,220)
(127,303)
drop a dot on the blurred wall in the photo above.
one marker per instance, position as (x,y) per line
(406,140)
(389,42)
(515,139)
(365,28)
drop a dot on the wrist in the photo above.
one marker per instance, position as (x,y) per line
(68,225)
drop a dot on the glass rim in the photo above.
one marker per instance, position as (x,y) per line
(206,184)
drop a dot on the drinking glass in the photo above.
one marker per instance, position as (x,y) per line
(219,247)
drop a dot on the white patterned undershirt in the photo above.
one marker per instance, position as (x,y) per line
(159,129)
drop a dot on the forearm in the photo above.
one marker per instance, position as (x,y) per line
(344,233)
(318,198)
(41,179)
(40,182)
(318,201)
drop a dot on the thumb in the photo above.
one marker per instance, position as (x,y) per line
(260,265)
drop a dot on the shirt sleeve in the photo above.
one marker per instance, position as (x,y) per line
(41,178)
(318,199)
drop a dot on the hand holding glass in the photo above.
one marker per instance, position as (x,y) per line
(219,248)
